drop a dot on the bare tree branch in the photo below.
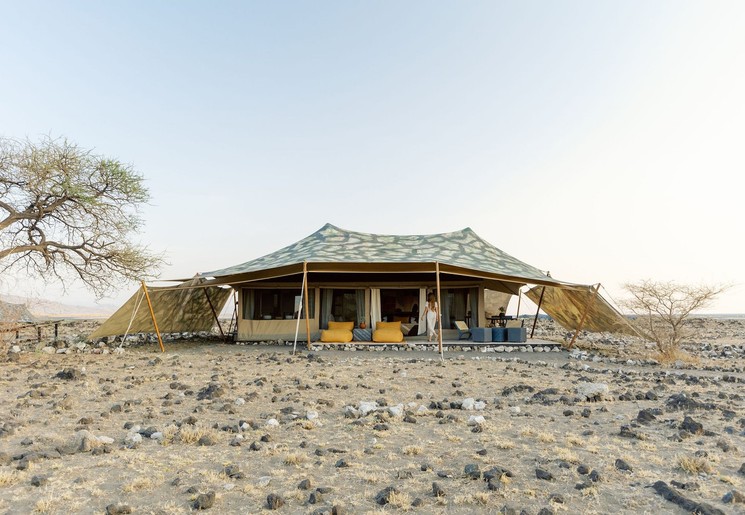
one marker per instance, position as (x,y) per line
(65,212)
(662,309)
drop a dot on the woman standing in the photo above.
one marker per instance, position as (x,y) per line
(431,314)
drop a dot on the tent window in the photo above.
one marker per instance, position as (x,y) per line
(399,305)
(455,306)
(344,305)
(279,304)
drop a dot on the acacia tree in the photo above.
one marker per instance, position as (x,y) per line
(68,213)
(662,309)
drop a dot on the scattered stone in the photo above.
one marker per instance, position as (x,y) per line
(384,496)
(417,502)
(473,471)
(645,416)
(315,498)
(341,464)
(207,440)
(622,465)
(733,497)
(437,490)
(210,392)
(693,427)
(667,493)
(39,480)
(233,472)
(583,470)
(594,476)
(118,509)
(204,501)
(543,474)
(274,501)
(305,484)
(592,391)
(69,374)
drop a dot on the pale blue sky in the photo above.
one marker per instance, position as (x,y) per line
(602,141)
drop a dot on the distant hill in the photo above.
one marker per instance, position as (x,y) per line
(45,309)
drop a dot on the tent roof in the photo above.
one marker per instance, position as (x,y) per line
(460,250)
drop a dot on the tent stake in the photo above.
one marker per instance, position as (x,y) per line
(439,308)
(214,313)
(152,315)
(535,320)
(584,316)
(305,288)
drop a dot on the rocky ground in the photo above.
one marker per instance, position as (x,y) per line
(246,429)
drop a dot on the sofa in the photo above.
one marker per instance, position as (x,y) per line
(388,332)
(338,332)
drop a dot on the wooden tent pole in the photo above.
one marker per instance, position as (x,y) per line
(519,298)
(305,287)
(439,308)
(535,320)
(152,315)
(214,313)
(584,316)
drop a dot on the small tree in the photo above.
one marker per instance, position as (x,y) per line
(65,211)
(663,308)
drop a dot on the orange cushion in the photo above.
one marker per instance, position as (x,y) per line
(346,326)
(336,335)
(388,325)
(387,335)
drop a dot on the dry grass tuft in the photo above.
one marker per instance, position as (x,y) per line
(294,458)
(139,483)
(413,450)
(191,434)
(546,437)
(400,500)
(694,465)
(504,445)
(566,454)
(8,477)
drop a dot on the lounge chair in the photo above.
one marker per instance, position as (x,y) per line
(463,331)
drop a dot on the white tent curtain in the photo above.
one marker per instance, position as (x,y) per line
(374,307)
(422,302)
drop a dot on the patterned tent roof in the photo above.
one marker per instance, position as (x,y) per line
(330,244)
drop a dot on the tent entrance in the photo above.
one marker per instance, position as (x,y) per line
(399,304)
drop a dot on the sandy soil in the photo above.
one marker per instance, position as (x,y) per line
(247,422)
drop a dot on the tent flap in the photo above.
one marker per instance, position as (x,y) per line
(178,309)
(567,306)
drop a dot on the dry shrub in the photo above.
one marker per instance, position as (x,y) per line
(546,437)
(139,483)
(566,454)
(694,465)
(400,500)
(191,434)
(676,354)
(575,441)
(504,445)
(8,477)
(294,458)
(413,450)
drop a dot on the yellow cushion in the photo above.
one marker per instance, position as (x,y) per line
(388,325)
(347,326)
(336,335)
(387,335)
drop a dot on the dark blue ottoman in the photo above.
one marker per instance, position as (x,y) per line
(481,334)
(517,334)
(498,334)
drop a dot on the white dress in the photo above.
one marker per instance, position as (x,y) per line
(431,319)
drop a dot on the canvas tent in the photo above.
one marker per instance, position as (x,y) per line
(336,274)
(580,307)
(186,307)
(368,265)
